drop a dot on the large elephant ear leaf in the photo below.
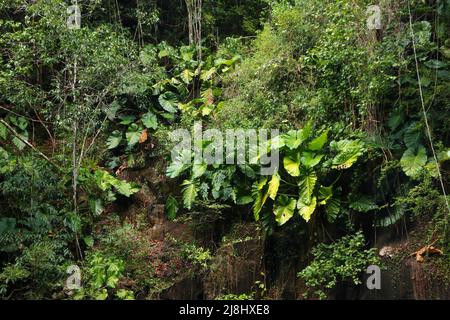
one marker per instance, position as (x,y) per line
(306,210)
(189,193)
(318,142)
(114,139)
(260,196)
(284,209)
(292,165)
(168,100)
(150,121)
(198,170)
(274,184)
(171,208)
(306,186)
(309,160)
(324,194)
(412,163)
(348,152)
(362,204)
(332,209)
(413,135)
(180,164)
(133,134)
(294,138)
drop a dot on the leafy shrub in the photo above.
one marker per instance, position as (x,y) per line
(101,276)
(343,260)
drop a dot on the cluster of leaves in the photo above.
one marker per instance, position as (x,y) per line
(343,260)
(308,163)
(173,81)
(102,188)
(150,266)
(102,274)
(40,265)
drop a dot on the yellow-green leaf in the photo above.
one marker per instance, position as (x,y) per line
(274,184)
(305,210)
(318,142)
(284,209)
(292,166)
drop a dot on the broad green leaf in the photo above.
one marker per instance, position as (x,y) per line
(247,170)
(332,209)
(412,163)
(127,119)
(348,153)
(306,210)
(89,241)
(208,97)
(103,179)
(274,184)
(189,194)
(435,64)
(18,143)
(318,142)
(260,197)
(432,169)
(394,216)
(362,204)
(187,76)
(187,53)
(96,206)
(114,139)
(112,281)
(292,166)
(150,121)
(133,134)
(206,75)
(163,53)
(284,209)
(3,131)
(221,61)
(125,188)
(413,135)
(324,194)
(306,186)
(444,155)
(19,122)
(206,110)
(180,164)
(294,138)
(244,200)
(198,170)
(309,160)
(171,208)
(169,101)
(102,295)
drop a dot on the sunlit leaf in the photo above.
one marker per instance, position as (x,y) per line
(168,101)
(284,209)
(306,210)
(274,184)
(413,162)
(150,121)
(318,142)
(292,165)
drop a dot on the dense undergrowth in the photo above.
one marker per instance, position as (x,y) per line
(79,108)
